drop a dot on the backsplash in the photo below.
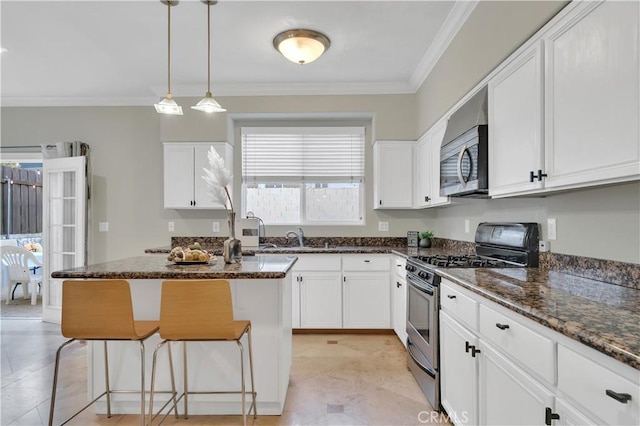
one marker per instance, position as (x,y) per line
(618,273)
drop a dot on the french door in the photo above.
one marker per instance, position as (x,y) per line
(64,220)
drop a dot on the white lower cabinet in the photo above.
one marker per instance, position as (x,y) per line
(341,291)
(500,368)
(508,396)
(365,300)
(399,298)
(458,372)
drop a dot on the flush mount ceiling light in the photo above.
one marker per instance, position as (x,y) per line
(208,104)
(301,46)
(168,105)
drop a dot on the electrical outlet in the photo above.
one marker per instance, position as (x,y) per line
(466,226)
(552,229)
(103,226)
(543,246)
(216,226)
(383,226)
(172,226)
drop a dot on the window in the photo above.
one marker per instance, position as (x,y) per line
(304,175)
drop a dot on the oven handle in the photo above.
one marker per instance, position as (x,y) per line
(418,363)
(424,290)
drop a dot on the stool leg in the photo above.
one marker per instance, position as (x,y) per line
(253,389)
(244,414)
(55,380)
(142,392)
(184,376)
(153,380)
(106,379)
(173,381)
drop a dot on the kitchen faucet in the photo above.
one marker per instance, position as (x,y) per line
(299,235)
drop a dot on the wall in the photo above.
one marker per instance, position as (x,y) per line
(600,222)
(126,149)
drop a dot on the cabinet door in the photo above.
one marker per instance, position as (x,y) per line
(393,176)
(202,198)
(422,167)
(436,134)
(592,96)
(320,300)
(366,300)
(427,167)
(570,416)
(508,396)
(399,297)
(458,372)
(515,125)
(178,176)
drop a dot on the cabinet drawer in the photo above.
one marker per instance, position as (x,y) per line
(317,262)
(587,382)
(359,262)
(398,265)
(521,343)
(460,306)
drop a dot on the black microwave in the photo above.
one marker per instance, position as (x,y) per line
(464,170)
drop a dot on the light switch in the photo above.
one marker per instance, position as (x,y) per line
(552,229)
(466,226)
(216,226)
(103,226)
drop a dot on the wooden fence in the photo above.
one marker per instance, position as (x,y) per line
(21,201)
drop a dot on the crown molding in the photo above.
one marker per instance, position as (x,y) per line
(9,101)
(455,20)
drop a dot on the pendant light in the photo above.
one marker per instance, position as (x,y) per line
(301,45)
(208,104)
(168,105)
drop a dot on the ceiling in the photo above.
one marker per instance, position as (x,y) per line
(115,52)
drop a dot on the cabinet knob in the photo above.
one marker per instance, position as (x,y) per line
(398,285)
(380,202)
(426,199)
(502,326)
(549,415)
(620,397)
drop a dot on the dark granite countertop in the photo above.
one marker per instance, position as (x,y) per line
(601,315)
(156,266)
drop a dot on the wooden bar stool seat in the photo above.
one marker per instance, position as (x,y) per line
(102,310)
(202,311)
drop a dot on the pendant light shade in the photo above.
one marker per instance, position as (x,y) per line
(168,105)
(208,104)
(301,46)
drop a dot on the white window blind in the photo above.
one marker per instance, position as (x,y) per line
(276,154)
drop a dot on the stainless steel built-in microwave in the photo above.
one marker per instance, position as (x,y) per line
(464,170)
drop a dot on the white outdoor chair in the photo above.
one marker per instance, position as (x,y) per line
(17,262)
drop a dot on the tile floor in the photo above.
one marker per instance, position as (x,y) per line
(335,380)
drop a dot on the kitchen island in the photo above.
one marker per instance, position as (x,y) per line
(261,291)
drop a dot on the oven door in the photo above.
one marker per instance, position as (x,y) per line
(463,166)
(422,318)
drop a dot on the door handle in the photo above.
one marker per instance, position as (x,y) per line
(451,296)
(620,397)
(502,326)
(459,169)
(398,285)
(549,415)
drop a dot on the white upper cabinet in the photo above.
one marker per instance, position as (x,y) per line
(427,167)
(592,95)
(565,111)
(184,187)
(393,174)
(515,125)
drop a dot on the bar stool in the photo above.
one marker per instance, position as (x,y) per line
(101,310)
(201,310)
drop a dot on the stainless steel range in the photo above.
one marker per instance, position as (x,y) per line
(498,245)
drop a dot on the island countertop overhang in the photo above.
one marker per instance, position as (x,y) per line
(157,267)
